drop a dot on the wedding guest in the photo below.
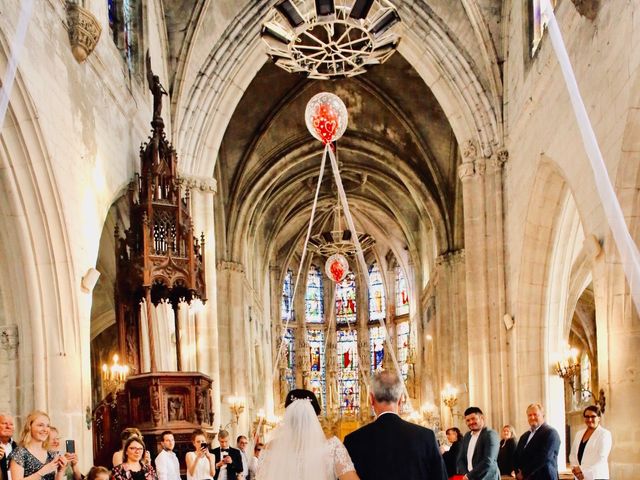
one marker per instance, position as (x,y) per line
(537,451)
(479,450)
(200,463)
(124,436)
(228,462)
(254,463)
(167,463)
(454,436)
(507,452)
(590,448)
(98,473)
(72,472)
(7,444)
(132,466)
(31,460)
(242,442)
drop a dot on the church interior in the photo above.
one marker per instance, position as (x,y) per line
(171,225)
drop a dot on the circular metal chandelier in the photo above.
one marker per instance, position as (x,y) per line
(326,39)
(337,240)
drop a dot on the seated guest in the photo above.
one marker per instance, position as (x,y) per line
(201,462)
(53,443)
(31,460)
(507,452)
(590,448)
(7,445)
(454,436)
(132,466)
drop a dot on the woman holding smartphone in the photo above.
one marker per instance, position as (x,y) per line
(72,472)
(31,460)
(132,466)
(201,464)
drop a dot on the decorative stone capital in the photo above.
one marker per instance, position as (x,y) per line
(231,266)
(450,258)
(499,159)
(469,151)
(9,340)
(84,31)
(204,184)
(466,171)
(480,166)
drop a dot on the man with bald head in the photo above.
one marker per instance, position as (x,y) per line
(6,443)
(391,447)
(537,453)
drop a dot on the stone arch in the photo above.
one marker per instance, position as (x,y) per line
(38,269)
(203,118)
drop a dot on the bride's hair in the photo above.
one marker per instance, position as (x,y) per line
(302,394)
(298,448)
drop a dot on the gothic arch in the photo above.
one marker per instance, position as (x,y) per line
(203,118)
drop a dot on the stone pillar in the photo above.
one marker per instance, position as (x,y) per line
(203,192)
(9,342)
(471,173)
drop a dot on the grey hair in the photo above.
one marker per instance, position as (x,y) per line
(386,387)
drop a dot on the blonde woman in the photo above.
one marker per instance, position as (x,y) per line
(31,460)
(53,443)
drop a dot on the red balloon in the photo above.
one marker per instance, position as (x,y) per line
(325,122)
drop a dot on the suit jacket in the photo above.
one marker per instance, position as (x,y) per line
(393,448)
(4,463)
(539,459)
(485,456)
(234,467)
(450,458)
(596,453)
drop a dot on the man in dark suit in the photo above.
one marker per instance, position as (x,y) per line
(228,459)
(537,452)
(391,447)
(478,456)
(7,445)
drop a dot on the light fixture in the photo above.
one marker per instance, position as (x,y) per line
(568,369)
(325,39)
(338,240)
(114,376)
(450,398)
(236,405)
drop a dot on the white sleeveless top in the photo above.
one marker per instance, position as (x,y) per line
(203,469)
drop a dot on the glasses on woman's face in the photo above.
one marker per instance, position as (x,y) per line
(590,417)
(135,449)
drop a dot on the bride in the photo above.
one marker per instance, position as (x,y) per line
(299,449)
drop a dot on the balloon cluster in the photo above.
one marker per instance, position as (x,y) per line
(336,267)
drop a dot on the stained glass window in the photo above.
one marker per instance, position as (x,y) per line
(402,294)
(346,300)
(286,309)
(538,23)
(403,347)
(376,347)
(376,294)
(125,22)
(289,339)
(317,378)
(585,376)
(313,300)
(348,387)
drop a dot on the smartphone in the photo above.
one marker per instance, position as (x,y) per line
(203,445)
(71,446)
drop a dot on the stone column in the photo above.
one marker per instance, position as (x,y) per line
(203,192)
(8,367)
(472,175)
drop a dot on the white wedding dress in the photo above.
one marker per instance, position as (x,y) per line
(299,450)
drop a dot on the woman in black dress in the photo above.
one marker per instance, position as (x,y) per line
(31,460)
(450,456)
(507,450)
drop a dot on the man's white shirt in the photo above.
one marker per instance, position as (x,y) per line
(245,464)
(472,447)
(167,466)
